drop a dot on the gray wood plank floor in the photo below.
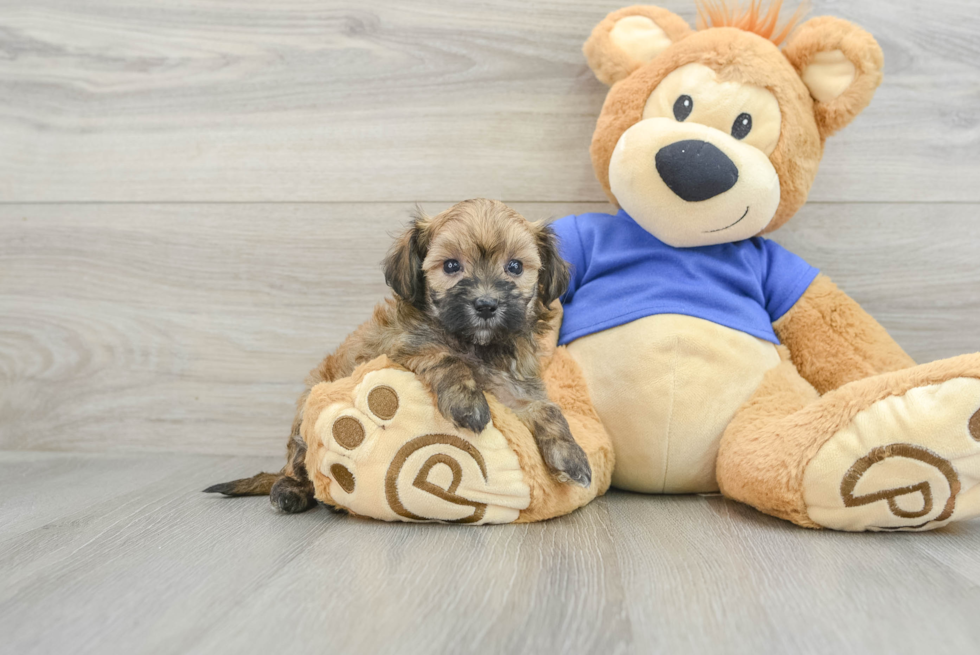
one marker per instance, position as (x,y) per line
(130,557)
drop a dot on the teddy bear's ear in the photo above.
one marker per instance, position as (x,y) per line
(840,64)
(628,38)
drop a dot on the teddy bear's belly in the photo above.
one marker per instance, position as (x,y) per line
(665,387)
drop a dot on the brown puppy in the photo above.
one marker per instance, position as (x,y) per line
(473,289)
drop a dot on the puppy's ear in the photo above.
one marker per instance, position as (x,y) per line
(403,263)
(554,276)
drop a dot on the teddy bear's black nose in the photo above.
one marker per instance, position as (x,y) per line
(696,170)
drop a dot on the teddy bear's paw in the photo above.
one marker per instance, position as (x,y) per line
(390,454)
(909,462)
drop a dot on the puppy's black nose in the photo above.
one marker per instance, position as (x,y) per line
(696,170)
(485,307)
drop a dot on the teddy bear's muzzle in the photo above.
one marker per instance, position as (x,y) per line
(692,185)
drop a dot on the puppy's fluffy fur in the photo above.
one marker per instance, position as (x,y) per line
(473,289)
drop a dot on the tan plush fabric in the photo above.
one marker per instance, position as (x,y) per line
(907,462)
(809,46)
(834,341)
(610,60)
(890,445)
(823,78)
(829,75)
(766,451)
(379,447)
(741,213)
(736,56)
(666,387)
(715,102)
(756,464)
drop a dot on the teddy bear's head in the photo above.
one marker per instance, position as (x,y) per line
(715,135)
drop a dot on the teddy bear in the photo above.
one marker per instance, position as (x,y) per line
(716,359)
(702,357)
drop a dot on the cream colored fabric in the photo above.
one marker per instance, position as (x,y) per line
(902,456)
(829,75)
(739,213)
(639,37)
(415,465)
(665,388)
(717,103)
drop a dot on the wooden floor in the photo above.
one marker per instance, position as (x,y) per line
(123,554)
(194,200)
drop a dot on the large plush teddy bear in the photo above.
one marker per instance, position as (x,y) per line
(714,358)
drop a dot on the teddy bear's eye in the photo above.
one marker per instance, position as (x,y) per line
(683,108)
(742,126)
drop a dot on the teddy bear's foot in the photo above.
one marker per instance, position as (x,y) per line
(907,462)
(382,449)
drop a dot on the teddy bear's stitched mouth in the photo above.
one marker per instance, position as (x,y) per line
(722,229)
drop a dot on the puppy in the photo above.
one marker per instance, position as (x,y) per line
(473,289)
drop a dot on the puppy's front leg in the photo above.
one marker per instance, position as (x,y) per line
(558,448)
(460,398)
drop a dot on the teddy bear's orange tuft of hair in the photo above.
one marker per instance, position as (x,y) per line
(719,13)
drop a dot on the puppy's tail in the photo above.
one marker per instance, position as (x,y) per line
(257,485)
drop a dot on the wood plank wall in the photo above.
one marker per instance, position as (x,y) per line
(195,195)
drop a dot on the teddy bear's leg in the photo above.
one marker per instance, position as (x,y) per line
(898,451)
(754,465)
(378,446)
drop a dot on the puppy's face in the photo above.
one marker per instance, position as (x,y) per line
(479,269)
(481,273)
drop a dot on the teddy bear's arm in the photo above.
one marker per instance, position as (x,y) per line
(833,341)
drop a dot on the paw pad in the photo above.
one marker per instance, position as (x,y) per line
(343,476)
(348,432)
(383,401)
(907,462)
(383,450)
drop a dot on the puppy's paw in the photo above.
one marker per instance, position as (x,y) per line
(558,448)
(467,409)
(567,461)
(290,496)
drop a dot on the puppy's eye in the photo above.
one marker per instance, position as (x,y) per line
(742,126)
(683,108)
(514,267)
(451,266)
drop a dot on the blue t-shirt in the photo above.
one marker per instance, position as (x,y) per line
(621,272)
